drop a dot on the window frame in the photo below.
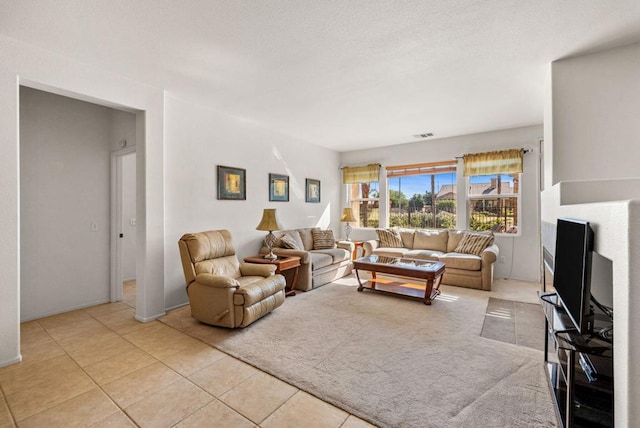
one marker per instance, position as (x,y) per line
(357,201)
(424,169)
(471,199)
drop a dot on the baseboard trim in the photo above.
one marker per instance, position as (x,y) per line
(65,310)
(176,306)
(10,362)
(151,318)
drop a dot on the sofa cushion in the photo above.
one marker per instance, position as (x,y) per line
(291,240)
(323,239)
(424,254)
(431,240)
(389,238)
(320,260)
(337,254)
(407,236)
(454,239)
(461,261)
(474,243)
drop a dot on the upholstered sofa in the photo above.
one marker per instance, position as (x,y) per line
(318,266)
(463,269)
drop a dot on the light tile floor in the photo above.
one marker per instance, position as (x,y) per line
(99,367)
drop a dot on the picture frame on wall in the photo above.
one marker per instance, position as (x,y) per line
(312,190)
(232,183)
(279,187)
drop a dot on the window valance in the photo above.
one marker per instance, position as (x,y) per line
(361,174)
(499,162)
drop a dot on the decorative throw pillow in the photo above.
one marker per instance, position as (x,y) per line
(292,241)
(323,239)
(474,243)
(389,238)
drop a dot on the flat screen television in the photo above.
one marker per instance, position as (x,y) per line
(572,270)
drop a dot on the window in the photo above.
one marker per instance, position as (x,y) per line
(493,202)
(363,199)
(494,190)
(422,195)
(363,190)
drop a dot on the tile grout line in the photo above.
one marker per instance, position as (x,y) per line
(15,421)
(214,398)
(90,377)
(6,403)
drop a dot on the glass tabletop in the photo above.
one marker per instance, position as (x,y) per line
(399,262)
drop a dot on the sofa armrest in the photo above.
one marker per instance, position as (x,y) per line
(216,281)
(346,245)
(255,269)
(369,246)
(490,254)
(303,254)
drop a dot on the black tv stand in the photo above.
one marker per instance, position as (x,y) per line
(579,368)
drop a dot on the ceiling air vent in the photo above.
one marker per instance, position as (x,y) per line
(424,135)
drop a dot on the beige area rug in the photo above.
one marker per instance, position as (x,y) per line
(392,361)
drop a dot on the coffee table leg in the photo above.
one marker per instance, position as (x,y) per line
(432,289)
(360,287)
(427,292)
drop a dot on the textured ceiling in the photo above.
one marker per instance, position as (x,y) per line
(346,74)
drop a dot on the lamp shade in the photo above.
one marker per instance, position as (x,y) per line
(347,215)
(269,220)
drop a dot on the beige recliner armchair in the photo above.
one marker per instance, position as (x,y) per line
(222,291)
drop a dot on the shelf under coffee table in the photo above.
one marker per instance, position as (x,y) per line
(427,270)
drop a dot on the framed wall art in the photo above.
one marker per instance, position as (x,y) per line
(278,187)
(232,183)
(312,192)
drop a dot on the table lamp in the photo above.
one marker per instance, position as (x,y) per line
(347,217)
(269,223)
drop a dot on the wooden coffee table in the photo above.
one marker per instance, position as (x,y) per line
(430,271)
(283,264)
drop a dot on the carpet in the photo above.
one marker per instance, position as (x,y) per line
(392,361)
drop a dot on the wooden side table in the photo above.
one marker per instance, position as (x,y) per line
(356,245)
(283,264)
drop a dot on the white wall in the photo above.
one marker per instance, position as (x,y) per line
(123,127)
(522,252)
(595,104)
(592,136)
(30,66)
(64,176)
(617,238)
(198,139)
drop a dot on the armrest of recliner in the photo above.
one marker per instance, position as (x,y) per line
(217,281)
(256,291)
(256,269)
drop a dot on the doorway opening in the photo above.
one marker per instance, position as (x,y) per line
(66,212)
(124,222)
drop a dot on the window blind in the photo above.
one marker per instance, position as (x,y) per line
(421,169)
